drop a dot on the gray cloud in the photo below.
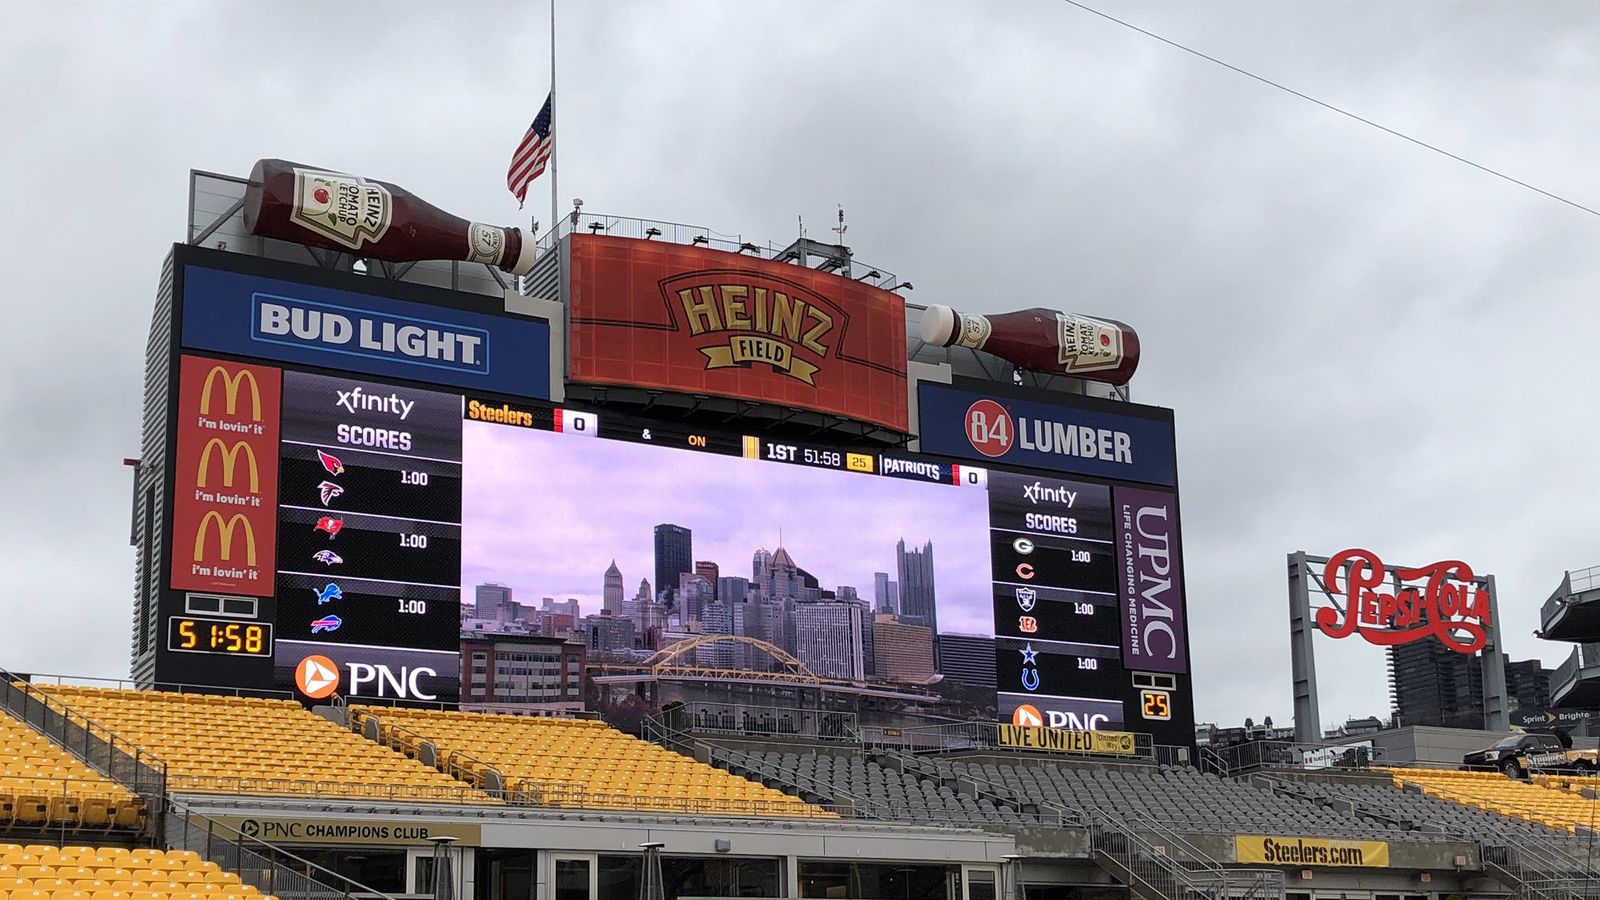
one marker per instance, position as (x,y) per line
(1364,343)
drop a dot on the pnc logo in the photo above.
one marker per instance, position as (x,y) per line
(230,461)
(989,428)
(230,392)
(317,677)
(745,318)
(1027,716)
(225,530)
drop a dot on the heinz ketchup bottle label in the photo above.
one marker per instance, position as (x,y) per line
(1088,345)
(344,209)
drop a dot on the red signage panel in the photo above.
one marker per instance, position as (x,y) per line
(701,321)
(225,485)
(1440,600)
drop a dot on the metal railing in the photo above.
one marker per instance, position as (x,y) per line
(95,744)
(678,233)
(763,721)
(270,869)
(40,679)
(1253,756)
(1171,867)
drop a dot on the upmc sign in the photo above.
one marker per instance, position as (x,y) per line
(225,493)
(1085,438)
(701,321)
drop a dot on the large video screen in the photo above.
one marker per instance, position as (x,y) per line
(708,568)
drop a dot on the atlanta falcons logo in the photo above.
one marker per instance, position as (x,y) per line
(329,491)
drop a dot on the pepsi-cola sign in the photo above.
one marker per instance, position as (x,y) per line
(1080,436)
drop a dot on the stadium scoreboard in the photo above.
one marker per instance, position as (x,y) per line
(327,520)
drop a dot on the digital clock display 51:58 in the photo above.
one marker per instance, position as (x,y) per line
(192,634)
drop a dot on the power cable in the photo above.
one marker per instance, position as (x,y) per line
(1329,106)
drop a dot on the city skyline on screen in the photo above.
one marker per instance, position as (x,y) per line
(546,513)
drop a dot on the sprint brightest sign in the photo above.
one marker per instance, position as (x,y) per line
(1298,851)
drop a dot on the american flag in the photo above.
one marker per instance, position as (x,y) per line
(527,163)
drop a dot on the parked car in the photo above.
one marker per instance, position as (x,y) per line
(1518,755)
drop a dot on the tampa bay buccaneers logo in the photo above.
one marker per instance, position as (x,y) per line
(745,319)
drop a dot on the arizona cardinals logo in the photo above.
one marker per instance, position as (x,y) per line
(331,463)
(329,491)
(331,525)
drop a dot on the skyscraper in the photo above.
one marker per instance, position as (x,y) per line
(885,594)
(709,571)
(487,599)
(917,606)
(828,639)
(674,555)
(967,658)
(902,652)
(611,595)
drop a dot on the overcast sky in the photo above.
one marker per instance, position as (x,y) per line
(1364,342)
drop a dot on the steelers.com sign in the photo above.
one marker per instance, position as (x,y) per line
(1083,436)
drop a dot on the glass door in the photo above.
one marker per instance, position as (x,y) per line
(980,884)
(573,878)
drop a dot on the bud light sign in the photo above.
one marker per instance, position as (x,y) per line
(294,322)
(1086,439)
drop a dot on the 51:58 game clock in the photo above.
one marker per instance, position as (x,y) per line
(193,634)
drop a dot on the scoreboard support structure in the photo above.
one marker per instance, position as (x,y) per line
(1307,573)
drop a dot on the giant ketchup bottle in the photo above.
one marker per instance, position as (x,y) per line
(372,219)
(1041,340)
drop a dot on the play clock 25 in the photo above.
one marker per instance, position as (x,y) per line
(195,634)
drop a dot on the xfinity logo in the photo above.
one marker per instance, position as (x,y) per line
(1040,491)
(357,400)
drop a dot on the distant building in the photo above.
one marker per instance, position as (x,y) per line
(968,658)
(710,572)
(561,607)
(608,635)
(611,593)
(1527,685)
(694,595)
(732,590)
(902,652)
(487,599)
(828,639)
(674,554)
(917,604)
(1430,684)
(885,594)
(535,673)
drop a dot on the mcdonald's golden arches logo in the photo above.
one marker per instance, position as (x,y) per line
(230,390)
(230,460)
(225,531)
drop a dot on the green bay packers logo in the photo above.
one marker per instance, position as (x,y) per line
(744,319)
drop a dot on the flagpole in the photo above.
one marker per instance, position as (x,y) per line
(555,221)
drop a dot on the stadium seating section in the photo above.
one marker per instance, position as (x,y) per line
(35,872)
(581,763)
(1547,803)
(880,790)
(1426,811)
(236,745)
(43,785)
